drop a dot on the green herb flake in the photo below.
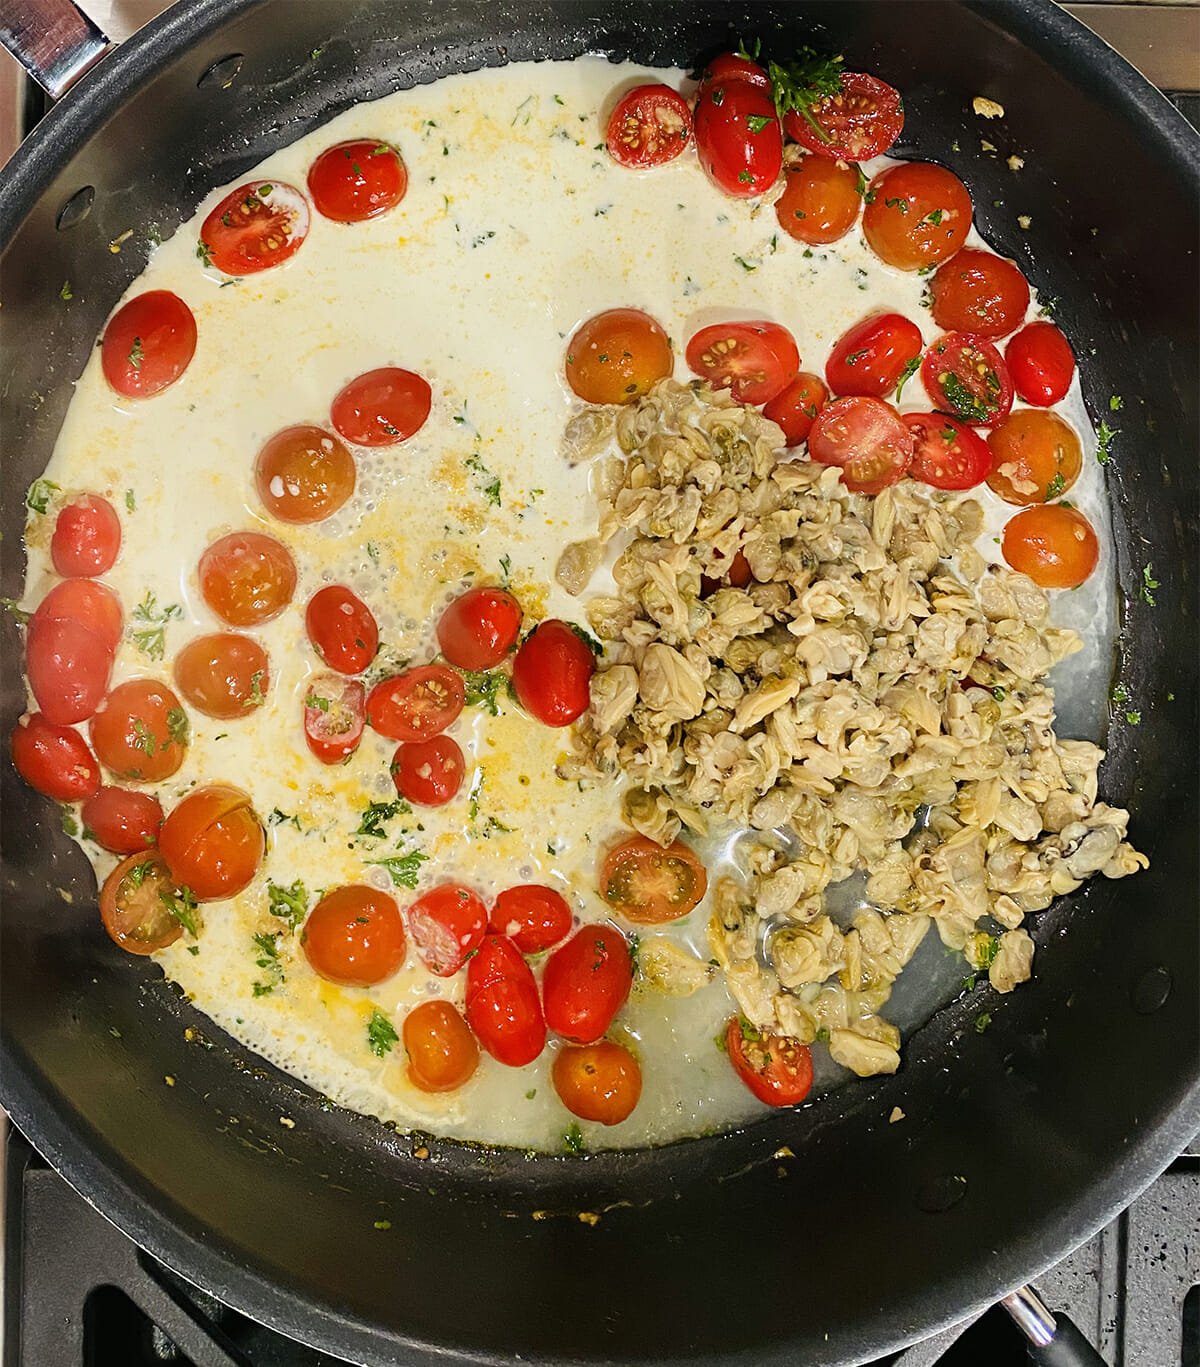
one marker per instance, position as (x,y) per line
(69,824)
(289,904)
(573,1138)
(381,1224)
(381,1034)
(935,217)
(757,122)
(482,689)
(1149,583)
(862,187)
(962,400)
(802,84)
(901,204)
(267,945)
(1115,403)
(204,252)
(587,638)
(910,369)
(1119,695)
(150,636)
(745,265)
(1104,437)
(491,489)
(12,607)
(41,491)
(1056,486)
(278,818)
(376,813)
(181,904)
(1133,717)
(982,1021)
(404,868)
(130,501)
(66,292)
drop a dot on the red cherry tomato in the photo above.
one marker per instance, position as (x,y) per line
(428,772)
(140,731)
(303,474)
(224,674)
(54,760)
(754,361)
(447,925)
(738,137)
(1036,457)
(728,66)
(866,438)
(416,705)
(966,377)
(820,201)
(916,215)
(382,407)
(859,123)
(335,712)
(533,916)
(87,537)
(68,667)
(648,885)
(586,981)
(247,578)
(777,1068)
(650,125)
(122,820)
(342,629)
(873,356)
(442,1052)
(1042,364)
(947,454)
(795,408)
(616,355)
(357,180)
(479,628)
(502,1003)
(133,904)
(979,292)
(148,344)
(1056,546)
(601,1082)
(95,605)
(551,673)
(354,936)
(254,227)
(213,842)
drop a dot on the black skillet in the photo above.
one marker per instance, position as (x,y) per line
(1017,1142)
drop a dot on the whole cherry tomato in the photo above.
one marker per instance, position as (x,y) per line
(616,355)
(354,936)
(916,215)
(224,674)
(502,1003)
(304,474)
(1042,364)
(533,916)
(777,1068)
(87,537)
(342,629)
(650,125)
(148,344)
(335,712)
(820,201)
(754,361)
(447,925)
(140,731)
(357,180)
(979,292)
(479,628)
(552,671)
(738,137)
(874,355)
(428,772)
(247,578)
(442,1052)
(213,842)
(416,705)
(55,760)
(382,407)
(68,666)
(255,227)
(795,408)
(122,820)
(586,982)
(601,1082)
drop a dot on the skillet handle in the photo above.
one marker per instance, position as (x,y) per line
(53,40)
(1054,1340)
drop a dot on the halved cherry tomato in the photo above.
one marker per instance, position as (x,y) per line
(354,936)
(213,842)
(140,731)
(738,137)
(820,201)
(68,667)
(382,407)
(223,674)
(777,1068)
(860,122)
(502,1003)
(428,772)
(254,227)
(134,902)
(357,180)
(947,454)
(866,438)
(478,629)
(552,671)
(648,885)
(1036,457)
(616,355)
(796,407)
(55,760)
(966,376)
(122,820)
(304,474)
(586,982)
(916,215)
(447,925)
(342,629)
(335,712)
(533,916)
(979,292)
(601,1082)
(148,344)
(442,1052)
(873,356)
(247,578)
(416,705)
(728,66)
(754,361)
(95,605)
(87,537)
(1042,364)
(1055,545)
(650,125)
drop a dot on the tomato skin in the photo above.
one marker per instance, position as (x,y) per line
(223,674)
(728,66)
(342,629)
(867,438)
(53,760)
(447,925)
(87,537)
(335,712)
(648,885)
(1056,546)
(357,180)
(247,578)
(966,376)
(213,842)
(947,454)
(122,820)
(354,936)
(601,1082)
(479,628)
(503,1008)
(916,215)
(140,731)
(68,667)
(650,126)
(551,673)
(257,226)
(428,772)
(148,344)
(1042,364)
(416,705)
(615,356)
(820,201)
(776,1068)
(382,407)
(871,358)
(132,909)
(859,123)
(303,474)
(754,361)
(979,292)
(95,605)
(586,982)
(795,408)
(442,1052)
(532,915)
(1036,457)
(738,137)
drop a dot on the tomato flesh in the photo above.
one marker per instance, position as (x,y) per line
(54,760)
(820,201)
(357,180)
(428,772)
(87,537)
(1042,364)
(479,628)
(224,674)
(247,578)
(776,1068)
(133,904)
(442,1052)
(342,629)
(148,344)
(533,916)
(447,925)
(795,408)
(860,122)
(1056,546)
(335,712)
(382,407)
(874,355)
(503,1008)
(867,438)
(916,215)
(416,705)
(122,820)
(754,361)
(738,136)
(1036,457)
(648,884)
(140,731)
(616,355)
(586,982)
(650,125)
(213,842)
(947,454)
(354,936)
(255,227)
(979,292)
(551,673)
(966,377)
(600,1082)
(304,474)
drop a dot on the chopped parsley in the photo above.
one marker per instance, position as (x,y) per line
(404,868)
(41,491)
(381,1034)
(573,1138)
(268,960)
(862,186)
(982,1021)
(278,818)
(137,354)
(1056,486)
(587,638)
(482,689)
(801,84)
(130,501)
(1104,436)
(962,400)
(934,216)
(491,489)
(289,904)
(256,698)
(1133,717)
(506,568)
(65,292)
(19,613)
(741,260)
(757,122)
(204,252)
(180,904)
(1149,583)
(901,204)
(376,813)
(150,636)
(1115,403)
(985,954)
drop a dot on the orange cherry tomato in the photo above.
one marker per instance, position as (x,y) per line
(586,982)
(54,760)
(247,578)
(140,731)
(382,407)
(533,916)
(754,361)
(335,712)
(224,674)
(357,180)
(979,292)
(479,628)
(820,200)
(617,355)
(87,537)
(601,1081)
(867,438)
(68,666)
(148,344)
(649,885)
(255,227)
(442,1052)
(777,1068)
(503,1008)
(428,772)
(122,820)
(354,936)
(304,474)
(213,842)
(133,904)
(1056,546)
(916,215)
(342,629)
(795,408)
(95,605)
(447,925)
(1036,456)
(416,705)
(650,126)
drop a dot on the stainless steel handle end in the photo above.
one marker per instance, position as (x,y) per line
(52,39)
